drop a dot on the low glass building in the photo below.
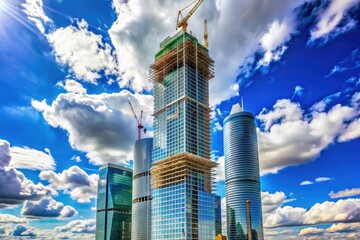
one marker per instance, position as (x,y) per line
(113,215)
(242,179)
(141,196)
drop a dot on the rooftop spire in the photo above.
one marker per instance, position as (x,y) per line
(236,108)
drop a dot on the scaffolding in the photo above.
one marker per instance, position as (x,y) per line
(176,168)
(180,50)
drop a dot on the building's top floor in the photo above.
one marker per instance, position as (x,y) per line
(171,42)
(238,111)
(110,165)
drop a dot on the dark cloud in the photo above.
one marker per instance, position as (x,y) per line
(15,187)
(47,208)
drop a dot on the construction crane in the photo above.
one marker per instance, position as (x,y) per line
(138,121)
(206,43)
(182,22)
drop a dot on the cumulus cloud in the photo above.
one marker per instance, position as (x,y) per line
(326,212)
(47,207)
(345,193)
(22,230)
(15,187)
(8,218)
(288,129)
(101,125)
(78,226)
(75,181)
(72,86)
(344,227)
(139,29)
(311,231)
(272,201)
(83,51)
(329,23)
(28,158)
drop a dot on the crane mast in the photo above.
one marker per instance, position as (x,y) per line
(182,22)
(206,43)
(138,121)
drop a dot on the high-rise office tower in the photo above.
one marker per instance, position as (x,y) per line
(181,179)
(242,175)
(141,208)
(218,223)
(113,216)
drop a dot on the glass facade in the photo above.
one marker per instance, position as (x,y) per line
(183,206)
(242,176)
(141,196)
(113,217)
(218,223)
(180,123)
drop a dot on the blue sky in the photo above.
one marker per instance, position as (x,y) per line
(68,68)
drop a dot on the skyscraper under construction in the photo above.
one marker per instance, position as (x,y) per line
(182,202)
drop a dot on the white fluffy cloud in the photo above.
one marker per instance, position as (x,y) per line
(344,227)
(329,19)
(311,231)
(272,201)
(72,86)
(351,132)
(83,51)
(345,193)
(47,207)
(288,129)
(78,226)
(326,212)
(101,125)
(140,28)
(8,218)
(28,158)
(15,187)
(75,181)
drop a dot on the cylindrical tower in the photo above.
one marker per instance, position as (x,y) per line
(242,175)
(141,208)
